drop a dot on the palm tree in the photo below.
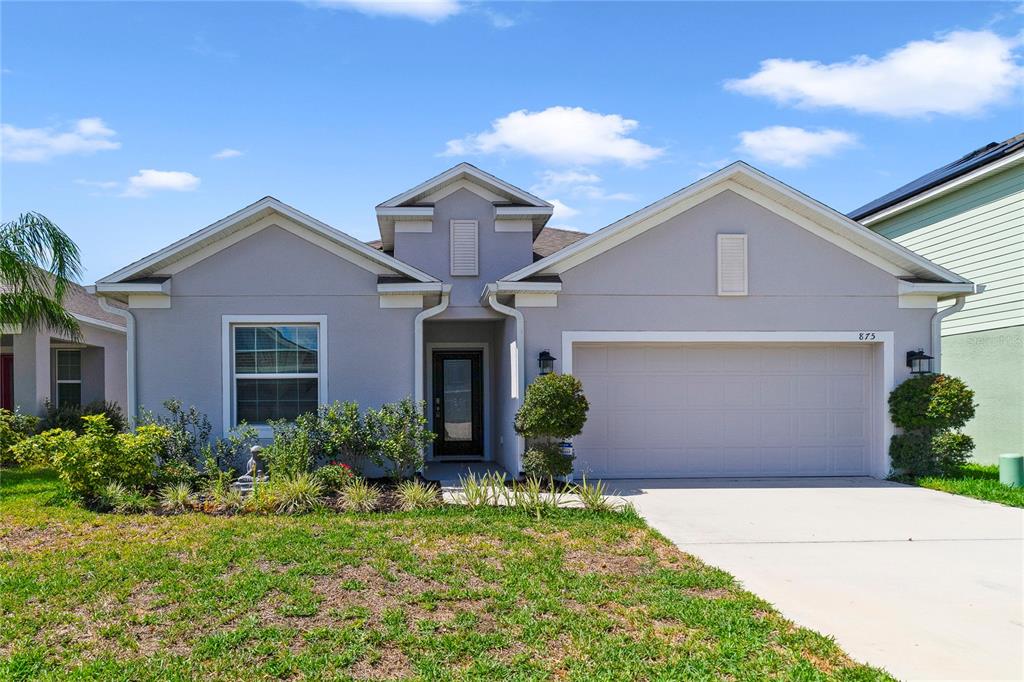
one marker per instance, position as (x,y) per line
(38,262)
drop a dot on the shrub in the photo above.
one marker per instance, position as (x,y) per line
(227,500)
(176,473)
(69,417)
(931,401)
(397,434)
(334,477)
(593,496)
(14,428)
(177,497)
(100,456)
(121,499)
(554,407)
(295,495)
(413,495)
(546,461)
(291,452)
(187,431)
(930,409)
(360,496)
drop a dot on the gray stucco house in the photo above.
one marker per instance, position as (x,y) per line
(38,366)
(735,327)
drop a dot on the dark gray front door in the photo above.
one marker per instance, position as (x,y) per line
(458,403)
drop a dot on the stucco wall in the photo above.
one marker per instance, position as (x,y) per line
(369,349)
(500,253)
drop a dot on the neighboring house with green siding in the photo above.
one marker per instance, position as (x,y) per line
(968,216)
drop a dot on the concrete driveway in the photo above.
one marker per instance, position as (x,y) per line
(924,584)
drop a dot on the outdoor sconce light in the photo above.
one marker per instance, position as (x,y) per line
(919,362)
(546,361)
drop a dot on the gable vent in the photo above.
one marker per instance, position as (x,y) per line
(732,265)
(464,250)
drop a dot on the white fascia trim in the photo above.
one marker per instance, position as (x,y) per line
(884,338)
(946,188)
(502,288)
(405,212)
(268,203)
(468,170)
(102,324)
(227,383)
(385,289)
(739,173)
(513,212)
(157,288)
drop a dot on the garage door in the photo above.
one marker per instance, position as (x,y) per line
(663,410)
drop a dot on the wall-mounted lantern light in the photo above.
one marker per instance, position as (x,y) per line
(546,362)
(919,362)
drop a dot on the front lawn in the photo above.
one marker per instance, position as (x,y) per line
(446,594)
(976,480)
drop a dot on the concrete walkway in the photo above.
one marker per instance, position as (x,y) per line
(924,584)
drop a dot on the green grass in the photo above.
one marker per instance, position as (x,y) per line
(976,480)
(445,594)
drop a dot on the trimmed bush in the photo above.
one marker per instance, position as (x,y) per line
(931,409)
(554,407)
(546,461)
(334,477)
(398,434)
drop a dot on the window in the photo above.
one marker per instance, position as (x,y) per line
(69,378)
(464,248)
(276,370)
(732,265)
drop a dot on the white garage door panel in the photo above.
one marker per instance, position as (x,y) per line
(725,409)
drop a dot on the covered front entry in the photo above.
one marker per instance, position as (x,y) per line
(458,403)
(729,409)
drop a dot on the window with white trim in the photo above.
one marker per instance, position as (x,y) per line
(69,378)
(275,370)
(464,247)
(732,265)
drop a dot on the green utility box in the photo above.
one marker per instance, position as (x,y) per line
(1011,470)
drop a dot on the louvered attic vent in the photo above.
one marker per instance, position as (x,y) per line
(732,265)
(464,247)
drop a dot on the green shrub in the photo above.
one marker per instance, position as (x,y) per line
(69,417)
(121,499)
(930,409)
(931,401)
(554,407)
(413,495)
(100,456)
(593,496)
(397,434)
(334,477)
(177,497)
(187,431)
(175,473)
(546,461)
(291,452)
(14,428)
(295,495)
(360,496)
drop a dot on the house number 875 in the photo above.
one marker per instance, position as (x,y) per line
(866,336)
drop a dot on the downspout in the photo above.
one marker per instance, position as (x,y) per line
(936,351)
(418,341)
(129,320)
(492,300)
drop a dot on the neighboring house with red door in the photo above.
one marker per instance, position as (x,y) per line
(37,366)
(969,216)
(734,328)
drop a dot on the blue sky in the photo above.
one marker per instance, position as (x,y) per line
(134,124)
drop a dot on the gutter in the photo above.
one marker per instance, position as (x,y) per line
(938,317)
(418,341)
(129,320)
(519,380)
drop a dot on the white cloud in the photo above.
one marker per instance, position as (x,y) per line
(579,184)
(226,153)
(562,211)
(793,147)
(960,73)
(430,11)
(561,135)
(86,136)
(148,180)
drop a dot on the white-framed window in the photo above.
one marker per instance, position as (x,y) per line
(69,378)
(274,368)
(464,247)
(732,265)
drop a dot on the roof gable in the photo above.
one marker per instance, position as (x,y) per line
(251,219)
(766,191)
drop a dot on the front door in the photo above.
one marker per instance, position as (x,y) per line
(458,403)
(7,381)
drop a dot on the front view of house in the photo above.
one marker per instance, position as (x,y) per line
(734,328)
